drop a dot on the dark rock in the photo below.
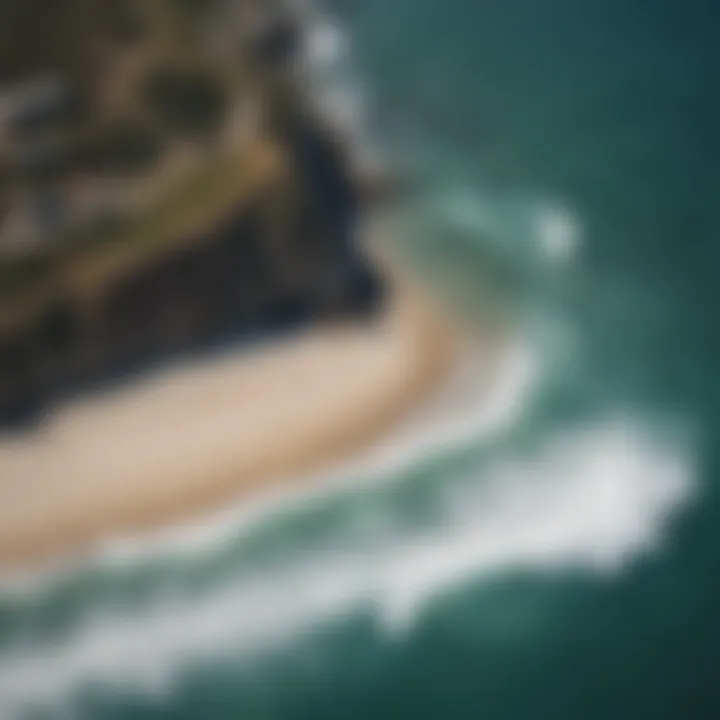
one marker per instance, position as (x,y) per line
(245,276)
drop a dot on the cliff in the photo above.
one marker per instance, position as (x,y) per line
(284,252)
(286,257)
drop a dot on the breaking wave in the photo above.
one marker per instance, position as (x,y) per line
(589,499)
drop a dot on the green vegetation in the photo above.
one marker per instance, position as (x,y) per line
(39,37)
(85,260)
(185,102)
(117,147)
(142,84)
(165,87)
(121,66)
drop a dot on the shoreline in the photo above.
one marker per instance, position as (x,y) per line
(178,444)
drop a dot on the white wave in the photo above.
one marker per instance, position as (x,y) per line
(588,499)
(327,45)
(541,228)
(466,411)
(335,86)
(558,232)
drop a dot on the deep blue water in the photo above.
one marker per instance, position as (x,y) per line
(568,566)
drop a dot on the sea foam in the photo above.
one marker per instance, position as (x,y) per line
(588,498)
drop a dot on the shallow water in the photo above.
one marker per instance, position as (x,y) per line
(551,554)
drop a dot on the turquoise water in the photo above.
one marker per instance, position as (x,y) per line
(554,557)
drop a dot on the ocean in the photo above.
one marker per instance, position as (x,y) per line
(550,552)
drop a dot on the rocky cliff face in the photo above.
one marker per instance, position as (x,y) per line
(288,256)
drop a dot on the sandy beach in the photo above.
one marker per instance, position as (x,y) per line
(182,441)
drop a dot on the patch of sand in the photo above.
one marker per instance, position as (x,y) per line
(180,442)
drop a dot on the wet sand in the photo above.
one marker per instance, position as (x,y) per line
(183,441)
